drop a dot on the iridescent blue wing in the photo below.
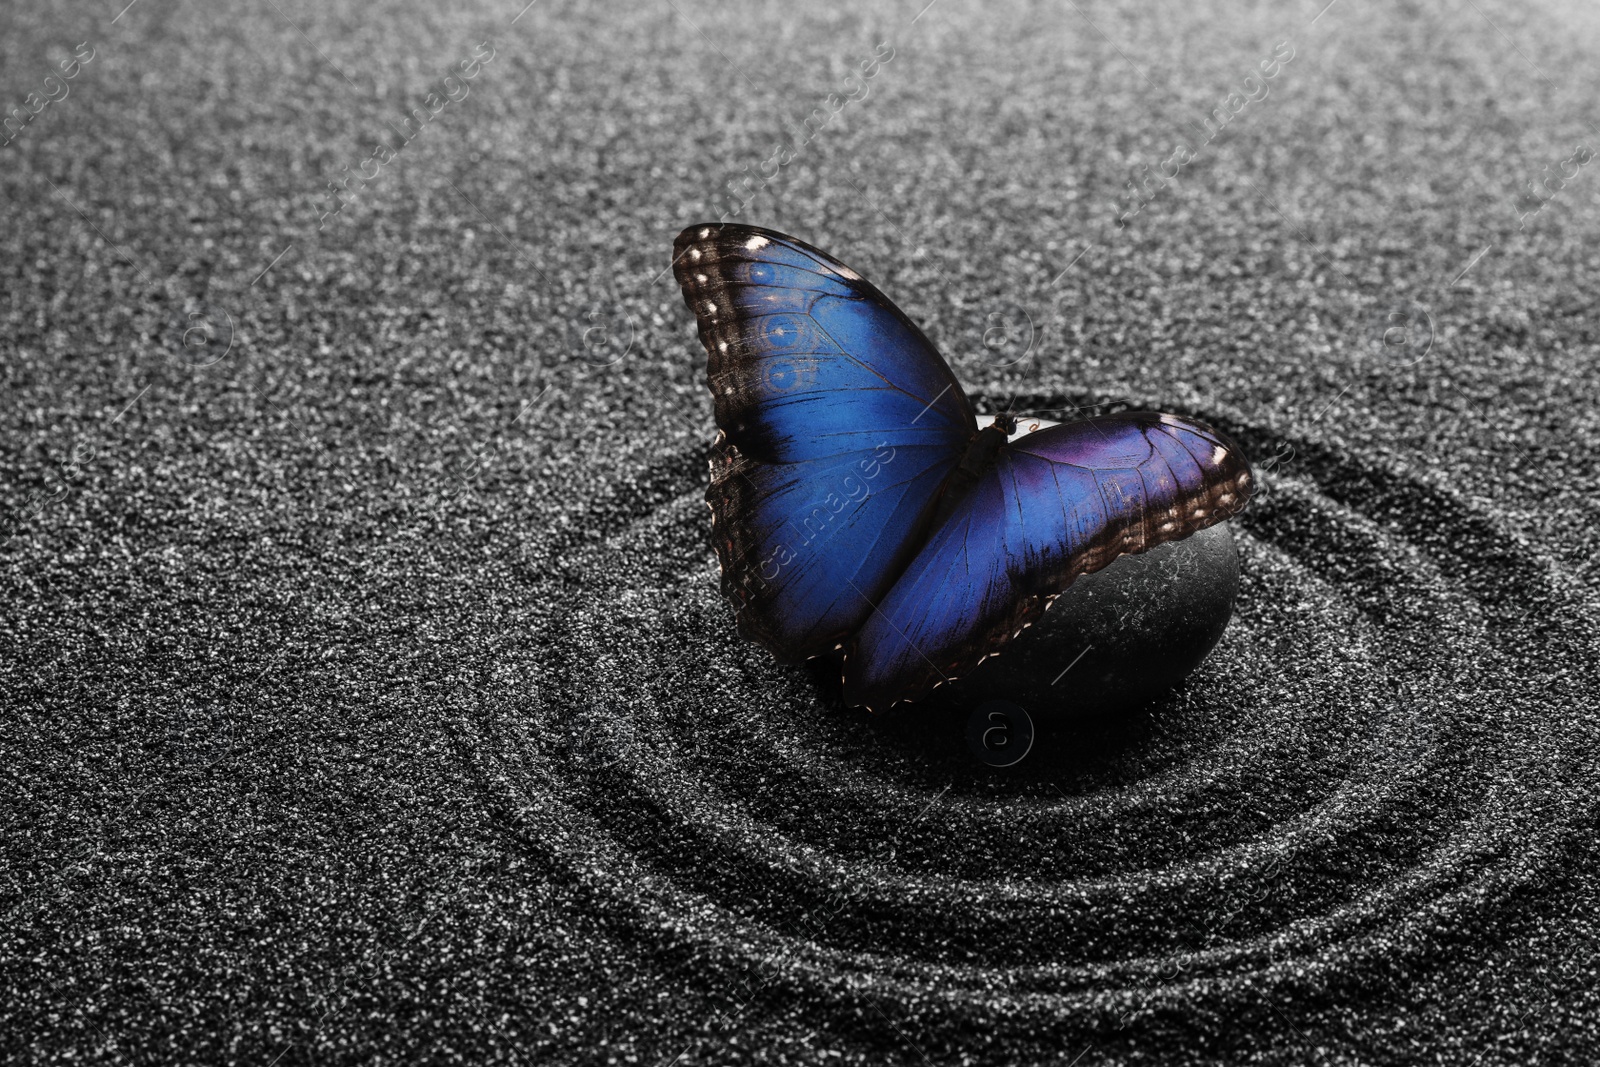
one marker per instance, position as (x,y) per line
(1057,503)
(839,424)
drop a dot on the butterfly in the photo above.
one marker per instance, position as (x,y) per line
(859,507)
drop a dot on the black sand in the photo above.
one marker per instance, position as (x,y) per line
(368,693)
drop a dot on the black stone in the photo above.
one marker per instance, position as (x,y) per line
(1120,638)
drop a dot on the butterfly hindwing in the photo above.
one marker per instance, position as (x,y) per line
(1057,503)
(839,424)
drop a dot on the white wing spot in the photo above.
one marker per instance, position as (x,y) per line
(1218,454)
(701,278)
(705,231)
(694,254)
(757,243)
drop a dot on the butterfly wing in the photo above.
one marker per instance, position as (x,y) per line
(839,424)
(1057,503)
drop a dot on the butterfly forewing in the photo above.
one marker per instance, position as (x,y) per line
(839,424)
(1058,503)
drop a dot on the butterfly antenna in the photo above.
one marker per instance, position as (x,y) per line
(1078,409)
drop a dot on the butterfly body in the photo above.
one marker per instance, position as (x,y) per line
(857,504)
(982,451)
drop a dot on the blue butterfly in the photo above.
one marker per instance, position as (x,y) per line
(856,503)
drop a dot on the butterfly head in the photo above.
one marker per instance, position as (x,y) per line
(1005,423)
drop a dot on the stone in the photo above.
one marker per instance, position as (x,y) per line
(1120,638)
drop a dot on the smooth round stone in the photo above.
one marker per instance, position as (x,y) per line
(1119,638)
